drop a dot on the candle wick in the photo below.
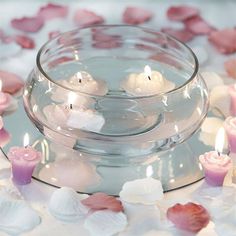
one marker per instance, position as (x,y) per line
(218,153)
(149,77)
(71,107)
(80,81)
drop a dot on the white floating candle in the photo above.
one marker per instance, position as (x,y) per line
(215,164)
(147,83)
(145,191)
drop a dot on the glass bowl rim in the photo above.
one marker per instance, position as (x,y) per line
(145,29)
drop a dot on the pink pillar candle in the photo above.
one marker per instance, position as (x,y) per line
(230,128)
(23,160)
(232,93)
(215,167)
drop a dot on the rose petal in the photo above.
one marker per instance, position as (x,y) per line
(51,11)
(102,201)
(4,137)
(183,35)
(230,67)
(181,13)
(11,83)
(53,34)
(59,60)
(24,41)
(191,217)
(136,15)
(85,18)
(198,26)
(28,24)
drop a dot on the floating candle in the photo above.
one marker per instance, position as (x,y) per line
(215,164)
(146,191)
(147,83)
(23,160)
(86,119)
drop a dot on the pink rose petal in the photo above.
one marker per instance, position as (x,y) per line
(224,40)
(183,35)
(24,41)
(4,137)
(51,11)
(198,26)
(191,217)
(11,83)
(230,67)
(102,201)
(136,15)
(85,18)
(53,34)
(28,24)
(181,13)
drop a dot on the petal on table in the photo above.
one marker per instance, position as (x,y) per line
(181,13)
(24,41)
(224,40)
(230,67)
(11,83)
(183,35)
(28,24)
(84,18)
(4,137)
(51,11)
(191,217)
(102,201)
(198,26)
(136,15)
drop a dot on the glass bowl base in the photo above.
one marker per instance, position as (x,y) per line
(62,166)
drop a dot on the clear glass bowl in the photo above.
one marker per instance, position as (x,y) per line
(103,119)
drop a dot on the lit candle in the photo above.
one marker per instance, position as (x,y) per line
(23,161)
(85,119)
(145,191)
(215,164)
(147,83)
(5,100)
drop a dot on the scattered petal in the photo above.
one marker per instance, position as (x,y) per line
(4,137)
(136,15)
(145,191)
(51,11)
(224,40)
(25,41)
(198,26)
(11,83)
(28,24)
(53,34)
(212,79)
(8,50)
(17,217)
(105,223)
(85,18)
(181,13)
(191,217)
(65,205)
(230,67)
(183,35)
(102,201)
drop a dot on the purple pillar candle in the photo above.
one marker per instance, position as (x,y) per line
(215,166)
(23,161)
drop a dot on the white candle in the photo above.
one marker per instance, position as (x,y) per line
(145,191)
(146,83)
(85,119)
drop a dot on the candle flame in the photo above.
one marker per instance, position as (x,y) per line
(148,71)
(149,171)
(0,85)
(71,98)
(220,139)
(26,140)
